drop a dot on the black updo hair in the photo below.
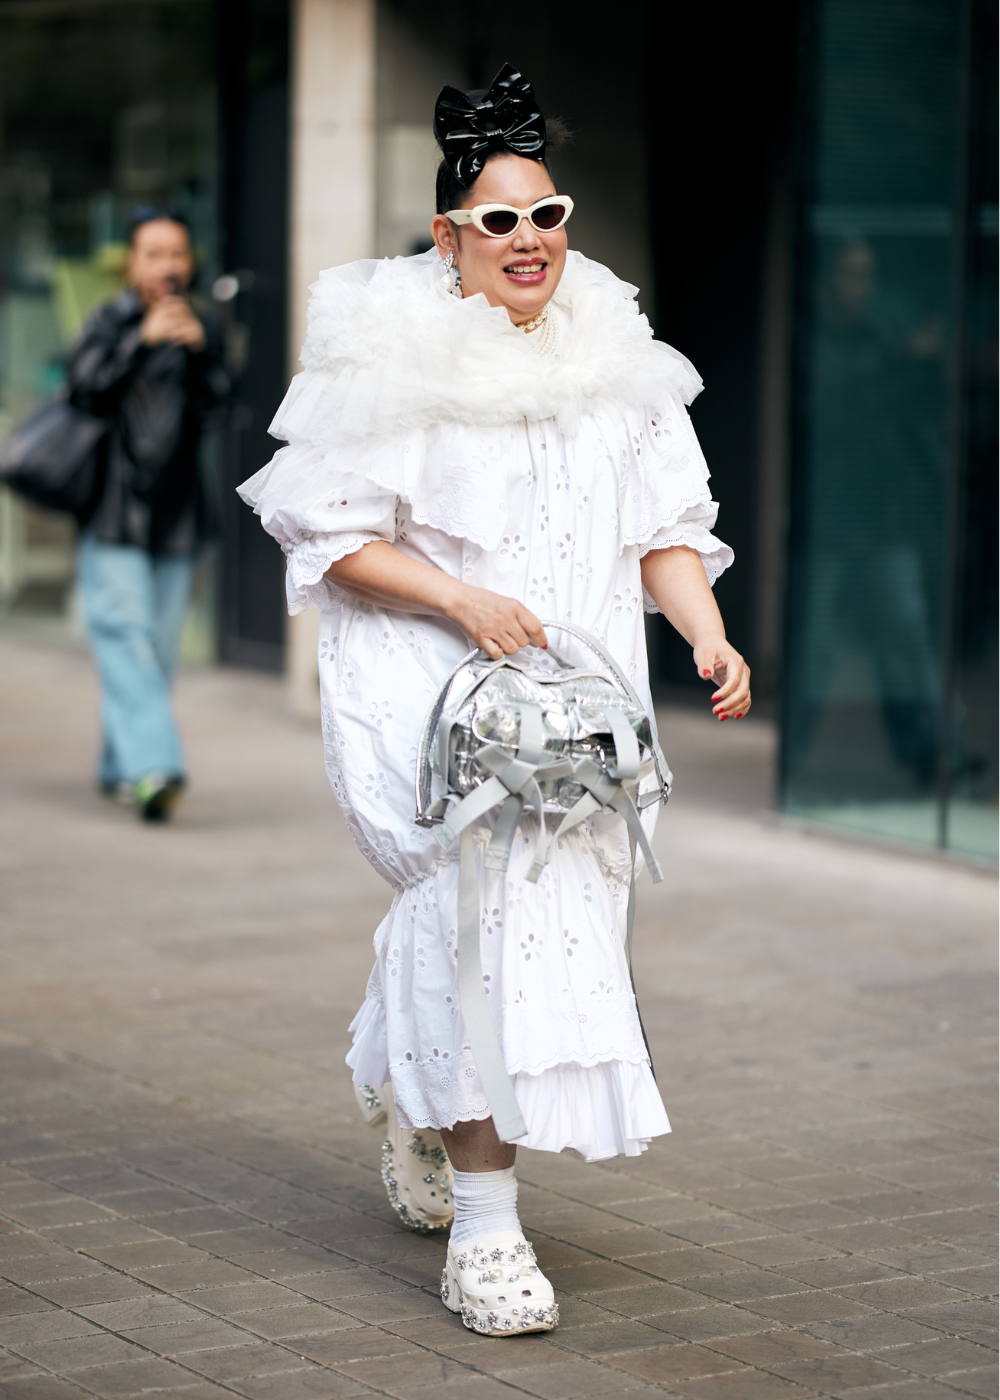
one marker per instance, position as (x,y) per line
(154,214)
(450,191)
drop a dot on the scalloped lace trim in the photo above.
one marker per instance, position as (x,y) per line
(715,556)
(307,561)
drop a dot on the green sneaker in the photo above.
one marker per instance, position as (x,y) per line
(156,795)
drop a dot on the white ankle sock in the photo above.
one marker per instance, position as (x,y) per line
(484,1202)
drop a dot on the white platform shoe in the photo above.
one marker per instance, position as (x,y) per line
(416,1172)
(497,1286)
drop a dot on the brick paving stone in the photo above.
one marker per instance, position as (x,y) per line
(354,1282)
(390,1307)
(193,1334)
(908,1390)
(302,1320)
(187,1277)
(667,1364)
(719,1230)
(133,1377)
(412,1368)
(627,1242)
(741,1385)
(73,1353)
(92,1288)
(707,1324)
(861,1239)
(768,1349)
(984,1381)
(593,1277)
(20,1245)
(12,1365)
(248,1358)
(873,1332)
(810,1306)
(681,1264)
(469,1388)
(839,1272)
(29,1329)
(201,1390)
(235,1298)
(360,1343)
(942,1355)
(421,1274)
(446,1335)
(41,1387)
(152,1310)
(49,1268)
(97,1236)
(743,1285)
(17,1300)
(563,1380)
(284,1260)
(302,1384)
(843,1372)
(980,1279)
(898,1293)
(963,1317)
(199,1221)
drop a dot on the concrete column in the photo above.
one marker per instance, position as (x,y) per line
(332,203)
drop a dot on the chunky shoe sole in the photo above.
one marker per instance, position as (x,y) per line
(504,1293)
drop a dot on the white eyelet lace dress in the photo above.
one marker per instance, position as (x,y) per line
(433,424)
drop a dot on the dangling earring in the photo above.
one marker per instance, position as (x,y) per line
(452,279)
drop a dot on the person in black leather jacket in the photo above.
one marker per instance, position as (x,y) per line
(149,363)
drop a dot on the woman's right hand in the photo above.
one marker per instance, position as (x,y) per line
(499,625)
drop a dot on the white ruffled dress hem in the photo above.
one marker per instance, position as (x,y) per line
(608,1109)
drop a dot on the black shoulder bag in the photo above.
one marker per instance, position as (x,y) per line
(56,458)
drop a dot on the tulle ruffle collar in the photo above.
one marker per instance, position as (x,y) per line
(388,350)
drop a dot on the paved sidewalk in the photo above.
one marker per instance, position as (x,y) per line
(190,1205)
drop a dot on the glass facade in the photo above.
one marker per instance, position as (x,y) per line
(890,671)
(104,106)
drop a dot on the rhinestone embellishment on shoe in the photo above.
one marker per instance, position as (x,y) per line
(417,1177)
(498,1287)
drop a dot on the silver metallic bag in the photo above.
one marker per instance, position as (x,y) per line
(530,732)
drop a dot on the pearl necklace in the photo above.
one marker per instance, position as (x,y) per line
(549,328)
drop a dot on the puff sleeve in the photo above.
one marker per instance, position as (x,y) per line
(316,533)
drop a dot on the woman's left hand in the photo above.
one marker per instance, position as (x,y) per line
(717,660)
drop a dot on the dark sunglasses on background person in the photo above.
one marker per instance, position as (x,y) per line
(500,220)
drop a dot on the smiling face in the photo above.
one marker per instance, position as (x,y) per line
(519,272)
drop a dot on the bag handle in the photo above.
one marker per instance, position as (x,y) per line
(600,650)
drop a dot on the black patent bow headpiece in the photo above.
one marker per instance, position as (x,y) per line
(470,128)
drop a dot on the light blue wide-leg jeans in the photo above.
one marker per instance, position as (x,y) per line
(134,604)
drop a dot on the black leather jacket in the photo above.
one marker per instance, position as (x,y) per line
(160,398)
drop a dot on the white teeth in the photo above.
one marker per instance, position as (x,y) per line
(522,271)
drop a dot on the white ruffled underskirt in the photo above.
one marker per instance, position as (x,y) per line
(609,1109)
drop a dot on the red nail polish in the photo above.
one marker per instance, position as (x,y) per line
(739,716)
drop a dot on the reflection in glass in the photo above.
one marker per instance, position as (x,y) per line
(103,106)
(876,736)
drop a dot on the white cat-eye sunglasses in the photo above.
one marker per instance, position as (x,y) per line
(500,220)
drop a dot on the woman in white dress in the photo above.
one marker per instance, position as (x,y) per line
(483,437)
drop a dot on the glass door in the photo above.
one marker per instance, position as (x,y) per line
(888,660)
